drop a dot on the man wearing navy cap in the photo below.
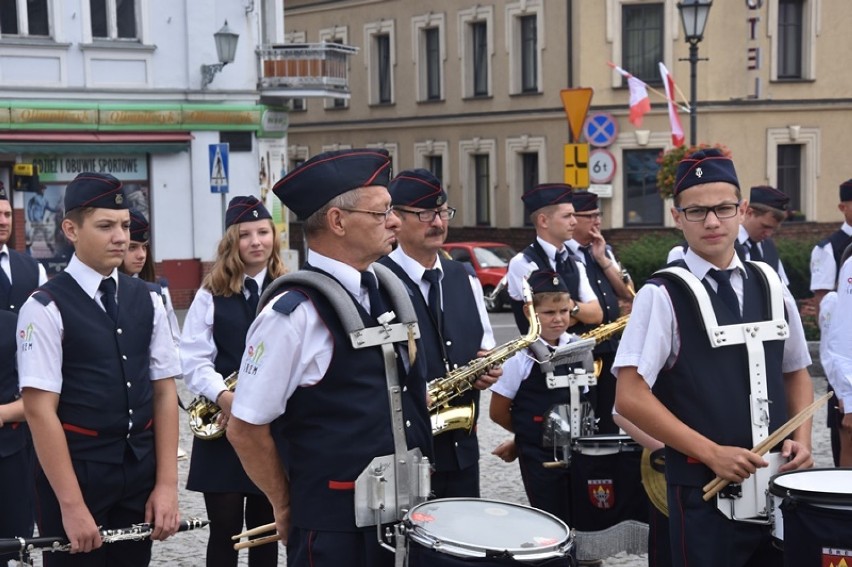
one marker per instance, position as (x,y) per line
(605,276)
(825,266)
(691,392)
(328,397)
(19,273)
(451,313)
(552,213)
(97,366)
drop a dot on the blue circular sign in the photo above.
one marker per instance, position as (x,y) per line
(600,129)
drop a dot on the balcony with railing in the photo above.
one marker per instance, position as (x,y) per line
(299,70)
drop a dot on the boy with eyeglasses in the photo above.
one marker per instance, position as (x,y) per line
(697,395)
(454,325)
(604,272)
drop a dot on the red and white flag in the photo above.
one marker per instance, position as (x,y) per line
(640,104)
(677,129)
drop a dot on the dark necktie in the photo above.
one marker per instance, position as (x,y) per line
(377,305)
(559,261)
(754,251)
(5,286)
(254,295)
(587,255)
(107,288)
(725,290)
(434,278)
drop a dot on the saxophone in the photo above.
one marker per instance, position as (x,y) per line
(460,380)
(203,413)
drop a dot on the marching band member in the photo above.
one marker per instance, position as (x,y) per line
(212,344)
(837,361)
(605,277)
(699,407)
(106,447)
(19,273)
(328,398)
(139,263)
(552,214)
(451,313)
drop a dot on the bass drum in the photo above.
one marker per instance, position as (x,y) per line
(459,532)
(812,516)
(606,482)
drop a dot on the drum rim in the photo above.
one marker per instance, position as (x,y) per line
(824,498)
(557,549)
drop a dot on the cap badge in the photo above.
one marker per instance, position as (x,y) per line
(254,213)
(119,199)
(698,172)
(145,236)
(555,280)
(439,200)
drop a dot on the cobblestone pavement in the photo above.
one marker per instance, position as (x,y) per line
(500,480)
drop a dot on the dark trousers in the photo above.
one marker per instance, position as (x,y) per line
(226,513)
(310,548)
(17,497)
(701,536)
(603,396)
(659,542)
(547,489)
(462,483)
(115,495)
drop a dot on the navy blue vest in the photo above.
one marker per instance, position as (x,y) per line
(708,388)
(457,344)
(24,280)
(839,240)
(232,318)
(532,402)
(609,303)
(336,427)
(12,437)
(106,405)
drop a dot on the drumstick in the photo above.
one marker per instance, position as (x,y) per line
(255,542)
(254,531)
(713,487)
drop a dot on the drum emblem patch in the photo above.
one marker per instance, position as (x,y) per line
(602,493)
(832,557)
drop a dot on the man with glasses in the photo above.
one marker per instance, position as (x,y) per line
(301,375)
(698,395)
(451,312)
(605,277)
(552,213)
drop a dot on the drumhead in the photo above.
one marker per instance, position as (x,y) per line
(474,527)
(818,486)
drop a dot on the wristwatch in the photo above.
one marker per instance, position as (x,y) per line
(575,309)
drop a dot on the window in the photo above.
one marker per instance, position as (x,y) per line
(529,54)
(113,19)
(477,46)
(790,35)
(642,203)
(379,38)
(237,141)
(482,189)
(338,35)
(433,63)
(24,18)
(642,41)
(430,53)
(296,104)
(525,161)
(435,164)
(790,173)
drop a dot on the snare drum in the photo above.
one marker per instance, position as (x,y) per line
(458,532)
(606,482)
(812,515)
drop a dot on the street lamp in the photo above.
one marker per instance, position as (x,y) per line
(693,15)
(226,48)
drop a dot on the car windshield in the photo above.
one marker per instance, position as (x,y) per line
(493,257)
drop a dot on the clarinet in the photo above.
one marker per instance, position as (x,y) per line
(136,532)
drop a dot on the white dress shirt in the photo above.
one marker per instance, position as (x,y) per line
(5,265)
(520,267)
(839,339)
(823,265)
(40,333)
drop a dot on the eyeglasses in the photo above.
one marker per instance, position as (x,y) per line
(589,215)
(429,214)
(698,214)
(380,215)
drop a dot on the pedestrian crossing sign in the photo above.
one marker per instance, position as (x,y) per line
(218,168)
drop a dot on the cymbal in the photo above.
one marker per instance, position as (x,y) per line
(652,468)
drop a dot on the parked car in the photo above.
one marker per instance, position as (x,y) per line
(490,261)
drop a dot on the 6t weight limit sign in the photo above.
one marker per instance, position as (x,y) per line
(601,166)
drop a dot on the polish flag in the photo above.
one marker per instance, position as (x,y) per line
(640,104)
(677,129)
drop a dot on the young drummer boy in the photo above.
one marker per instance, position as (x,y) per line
(96,365)
(521,399)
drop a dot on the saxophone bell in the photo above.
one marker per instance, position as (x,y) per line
(205,415)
